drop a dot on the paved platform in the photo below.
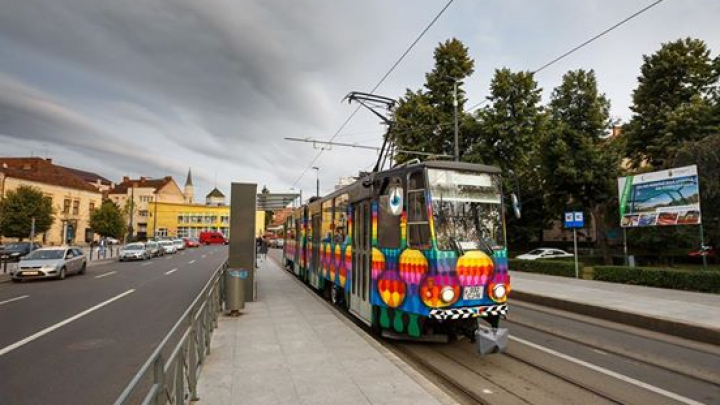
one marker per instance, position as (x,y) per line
(290,347)
(660,309)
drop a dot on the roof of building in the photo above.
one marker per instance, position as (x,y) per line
(90,177)
(215,193)
(142,182)
(42,171)
(188,182)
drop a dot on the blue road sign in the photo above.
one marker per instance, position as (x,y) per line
(574,219)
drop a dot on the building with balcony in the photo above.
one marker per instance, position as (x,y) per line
(188,220)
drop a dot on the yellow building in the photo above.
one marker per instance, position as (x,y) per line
(188,220)
(73,198)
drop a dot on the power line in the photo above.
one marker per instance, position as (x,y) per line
(588,42)
(382,80)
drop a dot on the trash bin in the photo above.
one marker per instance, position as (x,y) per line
(235,289)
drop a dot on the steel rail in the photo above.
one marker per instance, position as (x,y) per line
(174,381)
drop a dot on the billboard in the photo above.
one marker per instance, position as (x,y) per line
(664,198)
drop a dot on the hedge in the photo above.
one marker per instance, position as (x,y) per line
(691,280)
(549,267)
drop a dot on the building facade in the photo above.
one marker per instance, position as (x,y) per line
(188,220)
(137,195)
(73,198)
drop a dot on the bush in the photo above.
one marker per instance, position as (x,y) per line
(693,280)
(549,267)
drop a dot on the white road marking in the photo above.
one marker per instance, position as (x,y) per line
(486,391)
(191,262)
(610,373)
(146,264)
(23,342)
(110,273)
(13,299)
(170,271)
(203,256)
(600,352)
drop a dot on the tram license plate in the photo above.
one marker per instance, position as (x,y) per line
(473,293)
(30,273)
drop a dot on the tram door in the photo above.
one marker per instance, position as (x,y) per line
(315,262)
(361,252)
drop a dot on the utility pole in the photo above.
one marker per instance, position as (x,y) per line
(32,233)
(457,136)
(132,211)
(317,181)
(155,203)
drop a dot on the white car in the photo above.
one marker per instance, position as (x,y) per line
(544,253)
(134,251)
(179,244)
(168,246)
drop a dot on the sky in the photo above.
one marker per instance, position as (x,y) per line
(156,87)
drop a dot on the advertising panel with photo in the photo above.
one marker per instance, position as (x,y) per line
(664,198)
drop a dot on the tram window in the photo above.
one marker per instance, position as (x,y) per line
(388,225)
(418,225)
(327,221)
(341,225)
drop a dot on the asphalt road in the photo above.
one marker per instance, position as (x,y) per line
(557,357)
(80,340)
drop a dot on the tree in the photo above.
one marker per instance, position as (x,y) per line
(579,166)
(269,215)
(20,206)
(507,133)
(108,220)
(424,119)
(705,154)
(675,101)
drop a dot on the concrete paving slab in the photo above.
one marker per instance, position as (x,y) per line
(290,347)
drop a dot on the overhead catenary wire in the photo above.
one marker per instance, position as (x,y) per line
(584,44)
(379,83)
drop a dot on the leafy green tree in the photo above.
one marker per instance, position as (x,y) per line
(109,220)
(578,165)
(19,207)
(506,135)
(675,101)
(705,153)
(424,119)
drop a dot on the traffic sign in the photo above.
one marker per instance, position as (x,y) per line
(574,219)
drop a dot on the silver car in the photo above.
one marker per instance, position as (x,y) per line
(134,251)
(51,262)
(168,246)
(155,249)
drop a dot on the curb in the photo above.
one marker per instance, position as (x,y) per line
(666,326)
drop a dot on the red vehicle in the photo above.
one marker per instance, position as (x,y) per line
(212,238)
(191,242)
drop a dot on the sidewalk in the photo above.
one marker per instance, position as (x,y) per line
(290,347)
(686,314)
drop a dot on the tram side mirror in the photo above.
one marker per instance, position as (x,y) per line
(516,205)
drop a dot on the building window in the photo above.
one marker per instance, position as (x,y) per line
(92,207)
(161,232)
(76,207)
(66,206)
(143,213)
(183,232)
(146,198)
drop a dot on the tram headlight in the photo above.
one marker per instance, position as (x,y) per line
(447,294)
(499,291)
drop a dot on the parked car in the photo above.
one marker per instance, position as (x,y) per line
(155,249)
(15,251)
(134,251)
(191,242)
(179,244)
(544,253)
(213,238)
(51,262)
(168,246)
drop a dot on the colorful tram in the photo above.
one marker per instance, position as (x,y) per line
(414,251)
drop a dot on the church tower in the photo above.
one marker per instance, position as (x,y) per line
(189,188)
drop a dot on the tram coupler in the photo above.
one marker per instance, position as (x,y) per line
(490,340)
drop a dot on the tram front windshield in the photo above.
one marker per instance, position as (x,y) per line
(467,210)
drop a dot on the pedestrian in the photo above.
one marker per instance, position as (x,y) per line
(101,250)
(264,247)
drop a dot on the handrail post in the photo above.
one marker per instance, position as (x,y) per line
(159,381)
(192,365)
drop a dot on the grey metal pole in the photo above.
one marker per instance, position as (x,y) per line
(32,233)
(577,273)
(455,105)
(702,246)
(625,247)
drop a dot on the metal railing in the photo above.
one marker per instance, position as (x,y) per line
(172,378)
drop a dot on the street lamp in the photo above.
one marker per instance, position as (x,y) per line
(317,180)
(455,107)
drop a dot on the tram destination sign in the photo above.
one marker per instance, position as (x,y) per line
(664,198)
